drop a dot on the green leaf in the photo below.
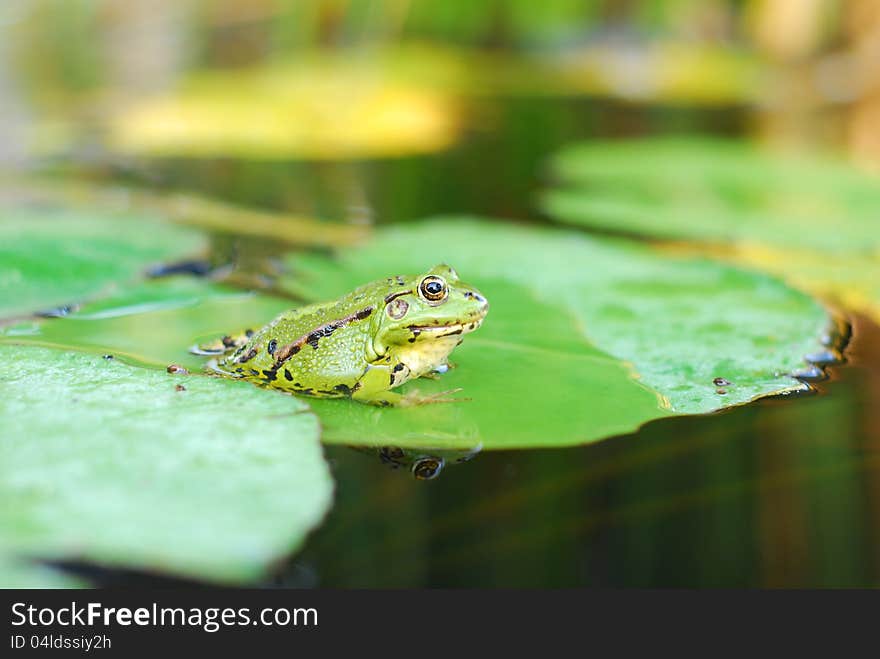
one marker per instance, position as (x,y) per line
(813,221)
(53,257)
(716,190)
(522,386)
(113,464)
(18,573)
(156,322)
(153,322)
(585,337)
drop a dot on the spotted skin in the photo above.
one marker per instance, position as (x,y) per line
(364,344)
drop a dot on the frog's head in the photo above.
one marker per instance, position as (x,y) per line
(432,306)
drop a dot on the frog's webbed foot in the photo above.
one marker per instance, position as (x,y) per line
(223,345)
(373,388)
(409,399)
(414,397)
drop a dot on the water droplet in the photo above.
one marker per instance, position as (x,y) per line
(174,369)
(721,382)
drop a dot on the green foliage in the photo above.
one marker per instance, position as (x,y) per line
(113,464)
(18,573)
(716,190)
(154,322)
(215,479)
(591,336)
(54,257)
(811,220)
(524,385)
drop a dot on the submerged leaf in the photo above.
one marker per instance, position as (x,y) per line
(119,465)
(154,322)
(585,337)
(54,257)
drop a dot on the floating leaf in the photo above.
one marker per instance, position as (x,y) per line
(54,257)
(154,322)
(522,386)
(330,108)
(812,221)
(585,337)
(18,573)
(113,464)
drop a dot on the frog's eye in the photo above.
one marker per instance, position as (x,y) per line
(433,288)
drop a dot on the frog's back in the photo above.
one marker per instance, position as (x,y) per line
(318,349)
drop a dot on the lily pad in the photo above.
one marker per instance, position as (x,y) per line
(811,220)
(585,337)
(113,464)
(522,386)
(332,108)
(18,573)
(53,257)
(153,323)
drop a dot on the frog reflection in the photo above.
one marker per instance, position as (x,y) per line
(423,464)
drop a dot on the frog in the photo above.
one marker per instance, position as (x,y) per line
(362,345)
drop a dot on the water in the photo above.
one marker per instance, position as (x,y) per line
(776,493)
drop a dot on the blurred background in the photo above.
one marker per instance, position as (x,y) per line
(360,112)
(101,85)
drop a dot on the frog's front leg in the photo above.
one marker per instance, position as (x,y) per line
(374,386)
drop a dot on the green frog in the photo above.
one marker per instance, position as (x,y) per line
(364,344)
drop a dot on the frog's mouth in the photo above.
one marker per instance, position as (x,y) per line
(452,329)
